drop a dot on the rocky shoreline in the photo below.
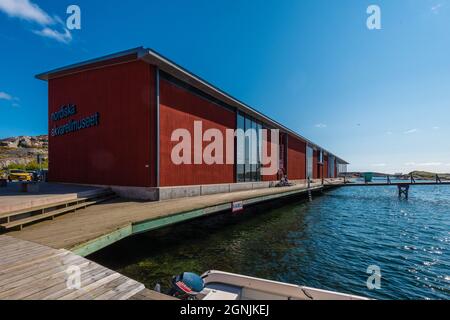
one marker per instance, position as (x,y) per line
(22,150)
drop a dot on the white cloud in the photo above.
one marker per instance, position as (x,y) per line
(389,133)
(436,8)
(411,131)
(10,98)
(65,37)
(379,165)
(320,125)
(425,164)
(436,128)
(5,96)
(31,12)
(26,10)
(431,164)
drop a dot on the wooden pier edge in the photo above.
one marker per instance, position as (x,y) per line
(94,245)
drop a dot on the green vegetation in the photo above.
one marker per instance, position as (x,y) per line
(33,165)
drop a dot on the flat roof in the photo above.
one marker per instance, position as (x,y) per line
(152,57)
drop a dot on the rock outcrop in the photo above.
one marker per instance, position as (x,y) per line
(22,150)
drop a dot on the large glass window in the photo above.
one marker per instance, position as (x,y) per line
(240,146)
(342,168)
(309,162)
(249,145)
(259,155)
(331,166)
(248,148)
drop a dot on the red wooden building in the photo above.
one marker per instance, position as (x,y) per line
(111,121)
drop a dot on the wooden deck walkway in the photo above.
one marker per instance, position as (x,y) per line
(29,271)
(96,227)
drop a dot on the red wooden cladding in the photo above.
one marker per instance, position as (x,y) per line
(325,166)
(120,151)
(335,168)
(273,177)
(316,174)
(179,109)
(296,159)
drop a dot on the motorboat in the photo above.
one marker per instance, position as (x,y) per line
(219,285)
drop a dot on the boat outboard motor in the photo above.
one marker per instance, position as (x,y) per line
(186,286)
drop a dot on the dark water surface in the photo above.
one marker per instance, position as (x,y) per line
(326,244)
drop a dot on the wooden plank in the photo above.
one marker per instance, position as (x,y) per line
(103,193)
(88,276)
(52,254)
(37,285)
(33,272)
(59,288)
(36,279)
(25,272)
(123,292)
(37,208)
(24,256)
(14,248)
(147,294)
(93,283)
(49,214)
(110,286)
(6,240)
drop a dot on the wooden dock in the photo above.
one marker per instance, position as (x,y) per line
(89,230)
(403,186)
(30,271)
(386,184)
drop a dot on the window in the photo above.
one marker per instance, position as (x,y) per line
(249,149)
(240,149)
(331,166)
(309,162)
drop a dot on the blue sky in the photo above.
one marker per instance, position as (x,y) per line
(378,98)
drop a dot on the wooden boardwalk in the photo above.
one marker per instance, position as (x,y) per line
(29,271)
(96,227)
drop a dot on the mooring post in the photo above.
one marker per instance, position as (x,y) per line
(403,190)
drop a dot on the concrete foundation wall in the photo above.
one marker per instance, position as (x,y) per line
(167,193)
